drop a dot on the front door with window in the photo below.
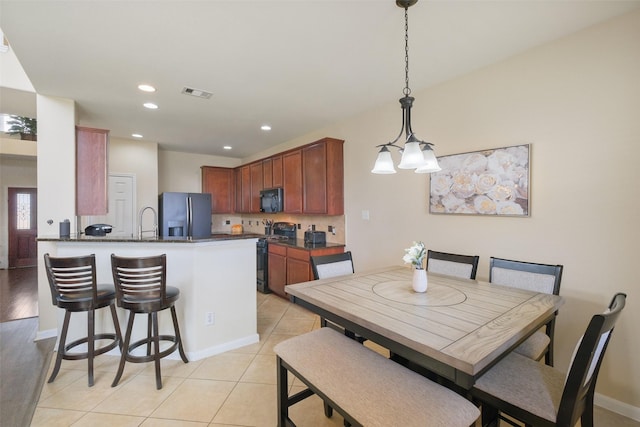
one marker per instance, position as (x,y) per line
(23,228)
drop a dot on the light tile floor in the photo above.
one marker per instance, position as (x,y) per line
(237,388)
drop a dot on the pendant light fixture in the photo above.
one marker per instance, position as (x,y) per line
(416,154)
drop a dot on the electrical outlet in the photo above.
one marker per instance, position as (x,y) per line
(299,226)
(227,222)
(209,318)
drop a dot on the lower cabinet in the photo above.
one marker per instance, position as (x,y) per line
(289,265)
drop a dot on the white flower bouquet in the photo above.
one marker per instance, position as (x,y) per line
(415,255)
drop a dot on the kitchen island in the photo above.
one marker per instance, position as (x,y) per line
(216,277)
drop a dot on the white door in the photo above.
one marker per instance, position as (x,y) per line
(121,205)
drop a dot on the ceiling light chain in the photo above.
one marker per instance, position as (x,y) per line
(416,154)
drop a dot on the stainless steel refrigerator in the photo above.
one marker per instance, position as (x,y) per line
(185,214)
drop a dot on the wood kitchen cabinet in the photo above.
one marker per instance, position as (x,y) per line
(289,265)
(292,181)
(323,177)
(277,269)
(220,183)
(311,176)
(267,173)
(92,147)
(243,189)
(276,171)
(256,186)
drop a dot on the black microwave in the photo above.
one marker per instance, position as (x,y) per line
(271,200)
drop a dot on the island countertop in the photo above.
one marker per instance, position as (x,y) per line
(215,237)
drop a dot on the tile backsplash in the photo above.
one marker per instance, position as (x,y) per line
(253,223)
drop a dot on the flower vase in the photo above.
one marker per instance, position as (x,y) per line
(419,280)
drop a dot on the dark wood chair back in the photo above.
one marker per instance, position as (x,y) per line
(141,283)
(463,266)
(526,275)
(583,372)
(72,281)
(333,265)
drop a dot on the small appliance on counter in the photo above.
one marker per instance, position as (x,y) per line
(98,230)
(312,237)
(236,229)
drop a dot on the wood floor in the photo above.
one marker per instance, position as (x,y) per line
(18,293)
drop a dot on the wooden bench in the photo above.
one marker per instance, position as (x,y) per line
(366,388)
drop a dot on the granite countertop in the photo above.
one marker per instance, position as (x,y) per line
(111,239)
(299,243)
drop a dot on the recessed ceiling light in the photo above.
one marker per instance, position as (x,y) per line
(146,88)
(227,147)
(265,127)
(150,105)
(136,135)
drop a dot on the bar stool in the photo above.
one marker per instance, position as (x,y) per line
(73,288)
(141,287)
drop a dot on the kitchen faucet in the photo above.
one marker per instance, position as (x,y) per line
(155,222)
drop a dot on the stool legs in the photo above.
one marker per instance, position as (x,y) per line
(174,316)
(60,352)
(91,338)
(153,337)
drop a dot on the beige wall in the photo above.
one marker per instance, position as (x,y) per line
(139,158)
(577,102)
(181,171)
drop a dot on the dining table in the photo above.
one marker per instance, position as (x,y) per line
(457,329)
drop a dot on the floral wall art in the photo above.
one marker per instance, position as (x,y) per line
(488,182)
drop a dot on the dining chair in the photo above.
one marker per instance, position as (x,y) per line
(334,265)
(540,395)
(532,277)
(462,266)
(74,289)
(141,287)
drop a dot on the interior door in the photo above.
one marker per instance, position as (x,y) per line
(23,227)
(121,215)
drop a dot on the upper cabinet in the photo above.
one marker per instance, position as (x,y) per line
(220,183)
(312,178)
(292,181)
(323,177)
(92,147)
(256,186)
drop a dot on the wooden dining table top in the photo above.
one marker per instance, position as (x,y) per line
(458,328)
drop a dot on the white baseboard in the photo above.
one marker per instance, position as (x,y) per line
(616,406)
(43,335)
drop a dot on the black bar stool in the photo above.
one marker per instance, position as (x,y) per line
(141,287)
(73,288)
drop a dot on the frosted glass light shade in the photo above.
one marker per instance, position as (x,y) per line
(412,156)
(384,162)
(431,163)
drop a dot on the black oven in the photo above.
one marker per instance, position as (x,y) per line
(281,231)
(262,261)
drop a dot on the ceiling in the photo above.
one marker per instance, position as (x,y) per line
(295,65)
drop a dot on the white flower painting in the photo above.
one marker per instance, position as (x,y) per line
(489,182)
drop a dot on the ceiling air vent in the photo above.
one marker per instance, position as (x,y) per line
(199,93)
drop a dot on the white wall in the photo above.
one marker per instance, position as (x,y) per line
(56,186)
(577,102)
